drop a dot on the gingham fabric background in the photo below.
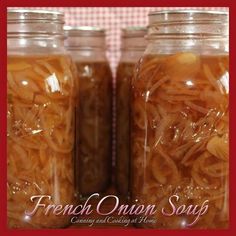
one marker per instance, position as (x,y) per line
(112,19)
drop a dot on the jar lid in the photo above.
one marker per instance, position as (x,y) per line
(84,31)
(24,15)
(160,17)
(133,38)
(34,23)
(84,37)
(188,23)
(134,31)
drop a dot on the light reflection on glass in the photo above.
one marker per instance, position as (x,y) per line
(22,42)
(24,82)
(183,223)
(224,81)
(27,218)
(189,83)
(52,83)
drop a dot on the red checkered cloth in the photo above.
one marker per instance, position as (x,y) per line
(112,19)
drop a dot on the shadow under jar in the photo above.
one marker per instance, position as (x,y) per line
(40,119)
(133,46)
(180,121)
(94,113)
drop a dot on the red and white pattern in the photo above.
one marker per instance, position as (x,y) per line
(112,19)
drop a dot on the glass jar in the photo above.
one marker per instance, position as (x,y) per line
(180,121)
(94,114)
(40,119)
(132,48)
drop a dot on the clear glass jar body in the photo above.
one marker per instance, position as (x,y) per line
(180,125)
(40,120)
(94,113)
(133,46)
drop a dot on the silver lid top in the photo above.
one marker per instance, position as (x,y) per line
(134,31)
(25,15)
(180,11)
(191,15)
(188,23)
(34,23)
(84,31)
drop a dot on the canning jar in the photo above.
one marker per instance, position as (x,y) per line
(40,119)
(94,114)
(132,47)
(180,121)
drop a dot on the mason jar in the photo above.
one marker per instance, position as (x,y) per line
(87,47)
(132,47)
(180,121)
(40,119)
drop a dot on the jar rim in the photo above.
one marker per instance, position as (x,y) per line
(181,11)
(190,23)
(84,31)
(187,16)
(25,15)
(32,23)
(134,31)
